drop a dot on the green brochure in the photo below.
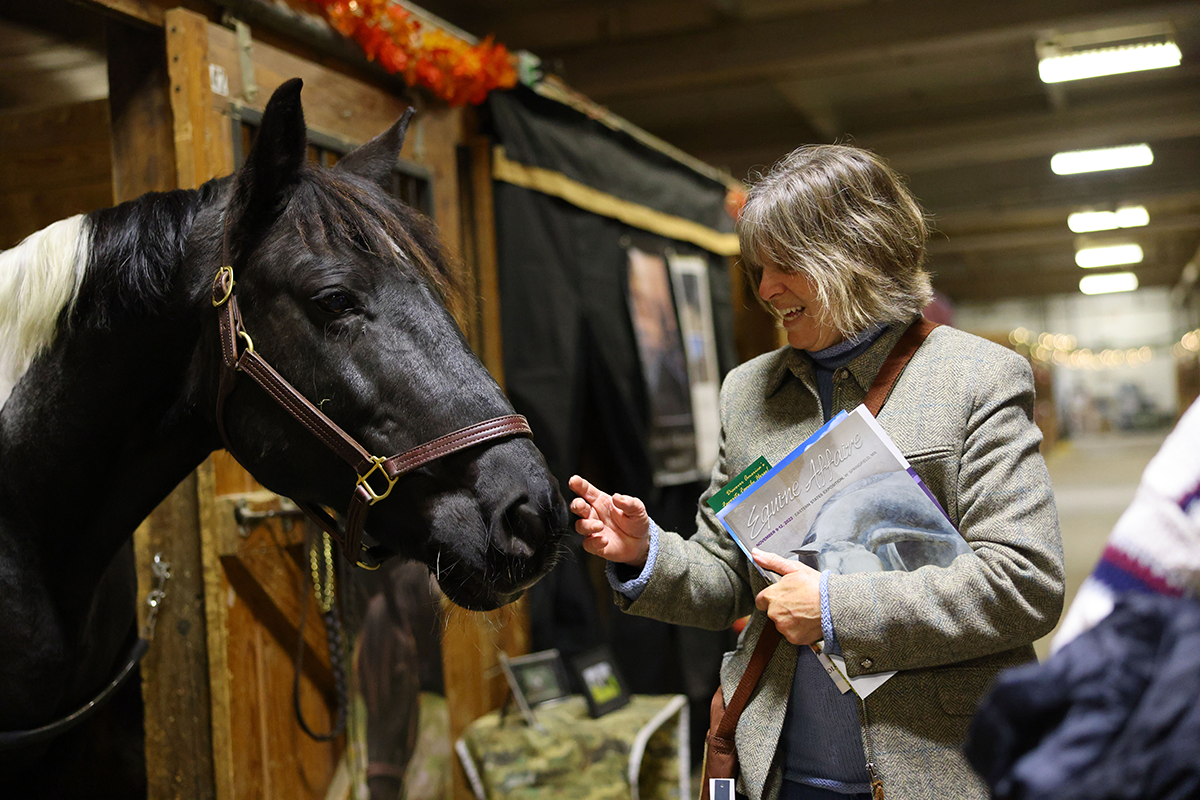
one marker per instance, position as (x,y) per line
(739,484)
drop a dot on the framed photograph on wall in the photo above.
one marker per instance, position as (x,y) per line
(535,680)
(671,433)
(689,279)
(603,685)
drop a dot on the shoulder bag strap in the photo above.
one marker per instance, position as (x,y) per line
(877,395)
(896,361)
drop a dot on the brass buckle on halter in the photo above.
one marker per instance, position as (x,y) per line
(217,286)
(376,464)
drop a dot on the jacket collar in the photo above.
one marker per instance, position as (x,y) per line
(798,364)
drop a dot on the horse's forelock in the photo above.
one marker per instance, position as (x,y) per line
(335,207)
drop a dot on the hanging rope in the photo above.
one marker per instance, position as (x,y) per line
(323,570)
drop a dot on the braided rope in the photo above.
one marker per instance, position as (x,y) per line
(325,588)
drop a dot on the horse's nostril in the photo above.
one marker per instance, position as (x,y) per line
(519,529)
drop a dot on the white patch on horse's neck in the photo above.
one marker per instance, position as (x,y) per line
(38,279)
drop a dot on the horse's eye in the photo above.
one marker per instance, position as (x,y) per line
(334,302)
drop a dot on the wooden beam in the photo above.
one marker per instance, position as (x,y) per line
(474,682)
(1058,235)
(997,140)
(148,12)
(202,140)
(175,689)
(483,227)
(582,24)
(143,147)
(830,38)
(202,151)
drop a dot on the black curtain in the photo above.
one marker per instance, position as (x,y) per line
(571,366)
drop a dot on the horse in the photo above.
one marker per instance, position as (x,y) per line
(290,313)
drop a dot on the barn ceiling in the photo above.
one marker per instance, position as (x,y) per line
(946,90)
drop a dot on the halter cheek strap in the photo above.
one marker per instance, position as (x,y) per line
(377,475)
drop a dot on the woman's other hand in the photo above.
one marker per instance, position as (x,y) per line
(793,603)
(614,526)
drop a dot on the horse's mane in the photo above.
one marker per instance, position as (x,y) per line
(117,260)
(136,250)
(38,279)
(81,270)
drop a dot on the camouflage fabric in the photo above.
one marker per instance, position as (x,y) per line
(576,757)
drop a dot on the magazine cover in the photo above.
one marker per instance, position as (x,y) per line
(845,500)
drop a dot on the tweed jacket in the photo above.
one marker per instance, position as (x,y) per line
(962,414)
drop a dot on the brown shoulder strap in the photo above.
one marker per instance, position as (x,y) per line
(896,361)
(767,641)
(877,395)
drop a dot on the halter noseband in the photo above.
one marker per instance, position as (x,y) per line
(239,355)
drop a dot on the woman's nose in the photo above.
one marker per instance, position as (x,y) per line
(769,284)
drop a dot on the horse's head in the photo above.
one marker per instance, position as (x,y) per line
(341,290)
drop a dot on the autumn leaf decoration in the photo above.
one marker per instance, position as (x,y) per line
(452,69)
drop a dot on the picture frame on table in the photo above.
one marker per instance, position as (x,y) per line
(536,679)
(604,687)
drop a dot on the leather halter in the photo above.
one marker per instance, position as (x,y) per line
(239,355)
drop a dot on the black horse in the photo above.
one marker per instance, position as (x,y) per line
(111,365)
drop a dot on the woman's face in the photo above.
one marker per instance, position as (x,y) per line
(793,298)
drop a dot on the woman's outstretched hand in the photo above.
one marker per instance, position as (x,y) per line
(614,526)
(794,602)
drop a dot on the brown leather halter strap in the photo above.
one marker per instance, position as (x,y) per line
(239,355)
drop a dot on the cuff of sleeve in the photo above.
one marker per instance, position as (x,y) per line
(831,643)
(619,575)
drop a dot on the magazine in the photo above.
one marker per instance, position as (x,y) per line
(845,500)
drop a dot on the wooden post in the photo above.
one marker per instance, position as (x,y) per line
(487,268)
(471,641)
(202,149)
(175,670)
(202,153)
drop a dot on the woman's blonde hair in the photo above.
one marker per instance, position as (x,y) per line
(845,220)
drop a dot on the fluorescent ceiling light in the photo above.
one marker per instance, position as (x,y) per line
(1105,284)
(1108,61)
(1128,217)
(1075,161)
(1109,256)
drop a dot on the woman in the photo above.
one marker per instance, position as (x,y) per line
(835,244)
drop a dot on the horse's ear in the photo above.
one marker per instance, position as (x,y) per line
(376,159)
(273,164)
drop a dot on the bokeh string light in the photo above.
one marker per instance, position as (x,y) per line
(1062,350)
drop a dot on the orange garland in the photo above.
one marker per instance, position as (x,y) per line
(447,66)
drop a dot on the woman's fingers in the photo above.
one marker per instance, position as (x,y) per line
(590,527)
(582,508)
(628,505)
(584,489)
(775,563)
